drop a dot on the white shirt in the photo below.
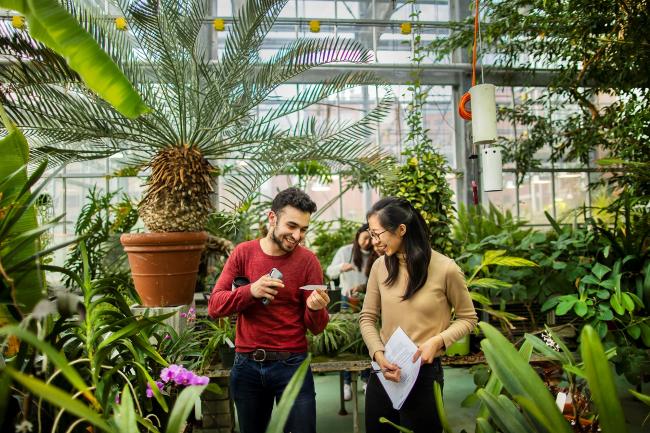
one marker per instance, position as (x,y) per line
(349,279)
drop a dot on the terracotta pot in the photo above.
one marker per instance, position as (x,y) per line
(164,265)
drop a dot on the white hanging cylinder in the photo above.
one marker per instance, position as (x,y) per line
(492,169)
(484,114)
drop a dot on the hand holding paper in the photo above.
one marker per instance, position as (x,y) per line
(391,371)
(400,351)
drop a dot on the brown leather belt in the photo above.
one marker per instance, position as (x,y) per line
(261,355)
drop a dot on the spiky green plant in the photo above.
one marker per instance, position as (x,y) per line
(202,110)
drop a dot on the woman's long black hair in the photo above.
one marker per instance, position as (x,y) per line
(391,212)
(357,255)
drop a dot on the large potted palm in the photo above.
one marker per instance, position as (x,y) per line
(204,114)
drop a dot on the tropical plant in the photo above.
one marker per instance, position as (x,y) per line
(202,110)
(100,348)
(337,336)
(22,276)
(100,222)
(529,406)
(480,281)
(474,224)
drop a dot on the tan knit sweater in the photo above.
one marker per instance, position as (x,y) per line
(425,314)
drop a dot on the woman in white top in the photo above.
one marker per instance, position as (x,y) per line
(349,263)
(349,266)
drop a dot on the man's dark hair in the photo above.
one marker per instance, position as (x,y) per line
(295,198)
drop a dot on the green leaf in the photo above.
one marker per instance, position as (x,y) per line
(600,270)
(28,285)
(488,283)
(580,308)
(513,262)
(384,420)
(440,407)
(494,385)
(129,330)
(565,306)
(601,383)
(643,397)
(628,303)
(289,395)
(634,331)
(59,398)
(589,279)
(520,379)
(125,415)
(505,415)
(184,404)
(616,305)
(51,24)
(57,358)
(483,426)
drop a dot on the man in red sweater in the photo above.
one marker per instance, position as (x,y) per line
(270,340)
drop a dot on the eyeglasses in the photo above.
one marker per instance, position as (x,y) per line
(375,236)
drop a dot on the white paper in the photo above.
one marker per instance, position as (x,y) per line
(314,287)
(399,350)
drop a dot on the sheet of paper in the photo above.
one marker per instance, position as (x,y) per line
(399,350)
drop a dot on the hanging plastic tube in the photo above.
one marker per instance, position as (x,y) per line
(492,169)
(484,114)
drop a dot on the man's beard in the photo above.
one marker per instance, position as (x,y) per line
(279,243)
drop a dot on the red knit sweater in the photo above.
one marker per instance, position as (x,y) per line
(281,325)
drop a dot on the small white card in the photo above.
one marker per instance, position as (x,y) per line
(314,287)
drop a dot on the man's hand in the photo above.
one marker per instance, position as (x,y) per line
(428,349)
(391,371)
(346,267)
(266,287)
(318,300)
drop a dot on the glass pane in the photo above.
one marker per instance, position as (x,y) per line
(505,200)
(570,195)
(535,198)
(75,196)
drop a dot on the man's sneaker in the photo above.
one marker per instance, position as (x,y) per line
(347,392)
(365,385)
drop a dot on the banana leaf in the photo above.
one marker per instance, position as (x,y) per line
(25,287)
(51,24)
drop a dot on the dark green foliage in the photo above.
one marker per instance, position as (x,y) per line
(101,222)
(421,180)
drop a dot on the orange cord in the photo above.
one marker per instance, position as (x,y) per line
(464,113)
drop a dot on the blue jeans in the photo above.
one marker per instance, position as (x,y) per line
(256,386)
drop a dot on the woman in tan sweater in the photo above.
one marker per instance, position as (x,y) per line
(414,288)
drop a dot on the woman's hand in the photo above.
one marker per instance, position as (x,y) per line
(428,349)
(391,371)
(346,267)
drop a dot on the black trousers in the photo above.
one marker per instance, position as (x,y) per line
(418,413)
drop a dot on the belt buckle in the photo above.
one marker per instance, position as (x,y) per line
(262,354)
